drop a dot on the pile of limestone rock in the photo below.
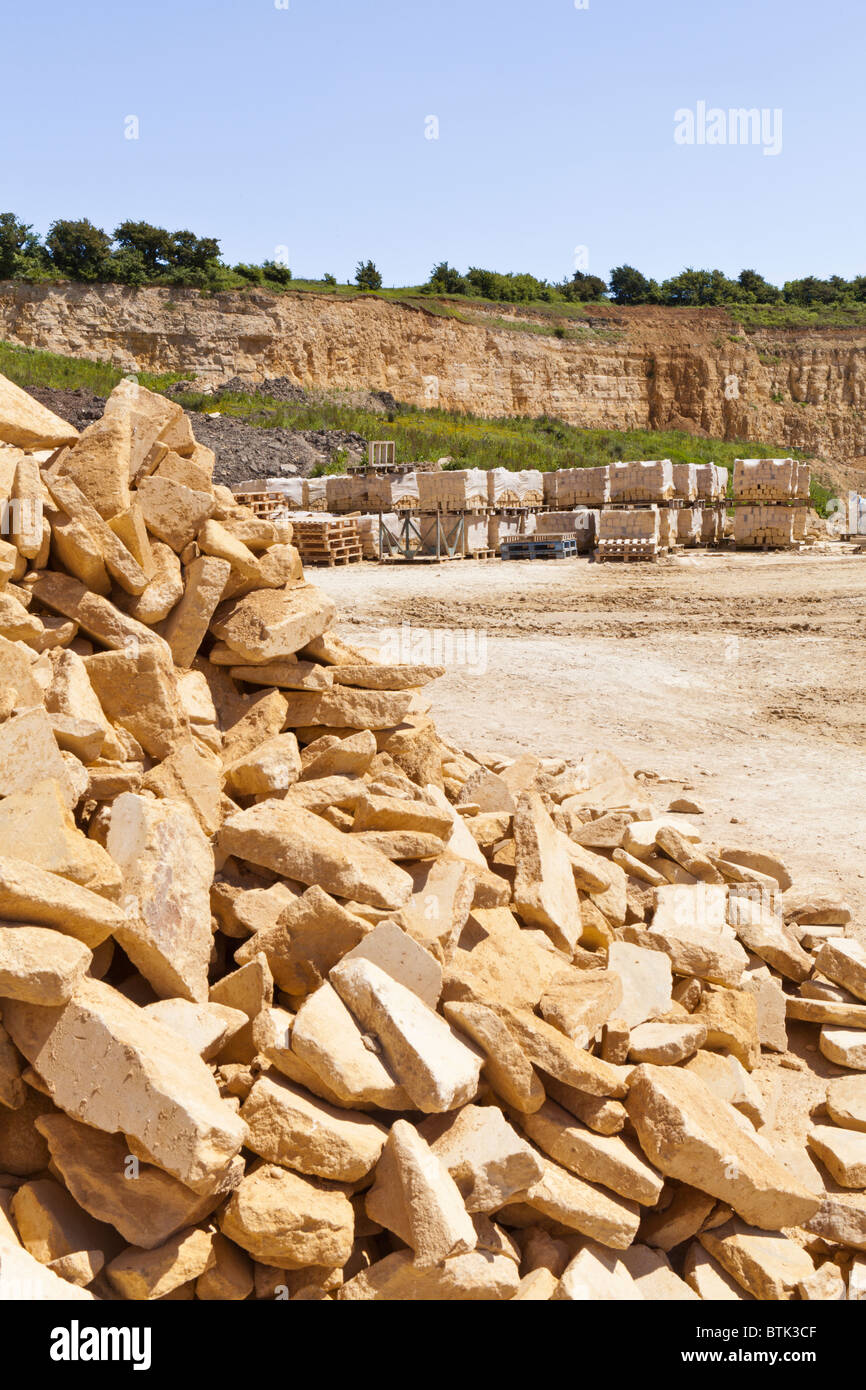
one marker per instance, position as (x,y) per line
(300,1002)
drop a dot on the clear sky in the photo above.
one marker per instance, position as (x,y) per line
(306,127)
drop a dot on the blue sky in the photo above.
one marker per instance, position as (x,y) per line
(305,127)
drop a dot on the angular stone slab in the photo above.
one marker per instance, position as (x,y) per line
(105,1063)
(688,1133)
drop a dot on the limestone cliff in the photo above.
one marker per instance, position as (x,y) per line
(623,368)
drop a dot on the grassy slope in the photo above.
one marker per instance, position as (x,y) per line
(471,441)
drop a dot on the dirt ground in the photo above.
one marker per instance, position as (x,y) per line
(737,678)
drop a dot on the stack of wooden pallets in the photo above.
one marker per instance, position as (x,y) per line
(329,540)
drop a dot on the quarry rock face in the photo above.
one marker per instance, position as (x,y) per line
(601,382)
(299,1001)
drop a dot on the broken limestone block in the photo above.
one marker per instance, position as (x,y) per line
(312,933)
(266,770)
(766,1264)
(140,1275)
(548,1048)
(709,1280)
(599,1113)
(498,961)
(761,861)
(167,865)
(666,1044)
(31,894)
(164,588)
(282,1219)
(204,1027)
(581,1206)
(185,629)
(332,756)
(827,1284)
(38,826)
(728,1079)
(300,845)
(23,1278)
(485,1156)
(506,1065)
(393,813)
(71,693)
(229,1279)
(605,1159)
(94,614)
(689,1134)
(108,1065)
(51,1225)
(415,1196)
(344,708)
(686,1215)
(844,962)
(402,958)
(646,982)
(250,990)
(331,1044)
(40,966)
(844,1046)
(597,1276)
(13,1091)
(536,1287)
(687,854)
(138,690)
(191,776)
(654,1277)
(271,624)
(438,1070)
(731,1020)
(437,912)
(173,512)
(120,563)
(770,999)
(846,1102)
(843,1152)
(475,1277)
(29,753)
(544,888)
(29,425)
(765,934)
(579,1003)
(288,1127)
(841,1218)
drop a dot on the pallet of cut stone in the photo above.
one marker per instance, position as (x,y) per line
(632,523)
(453,490)
(507,487)
(771,480)
(712,482)
(540,547)
(685,481)
(764,527)
(567,488)
(645,480)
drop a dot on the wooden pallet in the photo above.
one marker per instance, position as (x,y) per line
(481,555)
(643,504)
(560,548)
(626,550)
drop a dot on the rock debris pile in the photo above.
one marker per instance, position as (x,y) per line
(298,1001)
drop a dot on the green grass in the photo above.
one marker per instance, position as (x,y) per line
(31,367)
(770,316)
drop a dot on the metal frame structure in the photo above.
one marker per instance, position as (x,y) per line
(450,541)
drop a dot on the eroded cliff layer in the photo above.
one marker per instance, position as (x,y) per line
(623,368)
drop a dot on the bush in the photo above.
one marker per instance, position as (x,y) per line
(78,249)
(367,276)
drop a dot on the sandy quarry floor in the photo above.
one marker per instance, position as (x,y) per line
(739,677)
